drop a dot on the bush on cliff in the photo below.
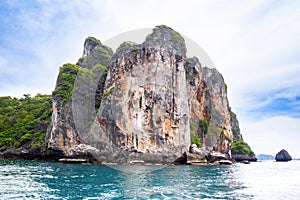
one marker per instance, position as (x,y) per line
(241,148)
(65,82)
(71,75)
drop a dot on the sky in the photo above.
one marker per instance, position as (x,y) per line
(254,44)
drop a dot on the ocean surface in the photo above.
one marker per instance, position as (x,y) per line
(50,180)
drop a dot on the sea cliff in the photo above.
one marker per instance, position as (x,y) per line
(144,102)
(153,103)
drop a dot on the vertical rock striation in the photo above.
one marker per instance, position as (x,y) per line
(209,107)
(150,106)
(147,110)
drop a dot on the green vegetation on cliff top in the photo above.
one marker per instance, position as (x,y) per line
(98,54)
(87,81)
(65,82)
(93,41)
(174,36)
(25,121)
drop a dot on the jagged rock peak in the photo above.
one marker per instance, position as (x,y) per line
(89,44)
(166,38)
(194,61)
(95,52)
(125,46)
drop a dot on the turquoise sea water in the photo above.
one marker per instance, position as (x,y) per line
(48,180)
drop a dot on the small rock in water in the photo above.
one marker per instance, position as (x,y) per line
(283,156)
(225,162)
(245,162)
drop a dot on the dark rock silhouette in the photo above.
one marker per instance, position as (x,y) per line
(283,156)
(241,158)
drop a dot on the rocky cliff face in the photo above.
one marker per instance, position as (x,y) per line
(148,110)
(62,134)
(153,103)
(209,107)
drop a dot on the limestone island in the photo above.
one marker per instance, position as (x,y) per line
(144,103)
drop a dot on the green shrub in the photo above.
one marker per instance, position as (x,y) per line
(82,59)
(241,147)
(195,139)
(6,142)
(25,138)
(93,41)
(65,82)
(203,125)
(39,139)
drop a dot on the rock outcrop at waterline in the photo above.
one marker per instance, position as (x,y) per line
(202,156)
(148,103)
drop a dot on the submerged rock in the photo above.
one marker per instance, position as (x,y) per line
(283,156)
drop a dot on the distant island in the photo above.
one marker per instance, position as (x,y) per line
(265,157)
(144,103)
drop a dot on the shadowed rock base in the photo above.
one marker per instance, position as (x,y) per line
(32,154)
(243,158)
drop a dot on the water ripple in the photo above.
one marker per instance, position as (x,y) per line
(46,180)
